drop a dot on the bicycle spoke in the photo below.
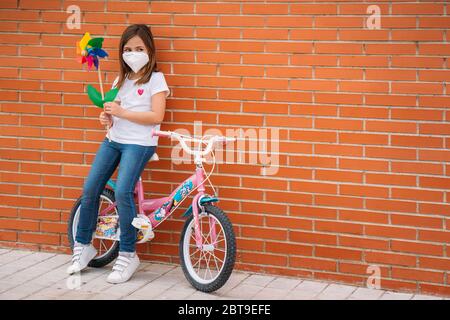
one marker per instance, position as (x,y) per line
(218,259)
(193,266)
(101,242)
(209,269)
(207,266)
(215,261)
(193,234)
(217,235)
(195,252)
(208,235)
(200,259)
(100,206)
(218,241)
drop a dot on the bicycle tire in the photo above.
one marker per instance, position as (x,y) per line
(228,266)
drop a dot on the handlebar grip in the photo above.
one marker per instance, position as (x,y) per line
(160,133)
(225,140)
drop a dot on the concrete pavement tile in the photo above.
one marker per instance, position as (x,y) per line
(301,295)
(6,285)
(75,295)
(243,291)
(51,292)
(13,255)
(124,289)
(51,276)
(233,281)
(336,292)
(169,280)
(176,272)
(389,295)
(2,251)
(149,291)
(284,283)
(25,290)
(105,296)
(183,284)
(24,263)
(271,294)
(258,280)
(199,295)
(96,280)
(34,274)
(311,286)
(10,296)
(366,294)
(176,293)
(143,277)
(4,275)
(159,268)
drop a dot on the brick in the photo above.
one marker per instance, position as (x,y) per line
(417,247)
(421,275)
(363,242)
(390,258)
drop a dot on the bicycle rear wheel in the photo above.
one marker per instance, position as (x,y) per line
(208,268)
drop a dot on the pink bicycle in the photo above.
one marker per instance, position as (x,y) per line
(207,243)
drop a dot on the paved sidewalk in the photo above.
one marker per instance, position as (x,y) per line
(41,275)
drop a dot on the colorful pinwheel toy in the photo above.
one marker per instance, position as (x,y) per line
(89,51)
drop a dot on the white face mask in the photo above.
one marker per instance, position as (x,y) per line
(135,60)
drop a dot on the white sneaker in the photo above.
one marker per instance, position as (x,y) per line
(82,254)
(125,266)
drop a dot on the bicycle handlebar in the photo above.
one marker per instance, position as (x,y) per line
(182,139)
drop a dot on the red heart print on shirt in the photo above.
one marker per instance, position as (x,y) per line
(140,91)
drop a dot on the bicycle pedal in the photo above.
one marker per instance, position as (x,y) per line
(144,225)
(141,223)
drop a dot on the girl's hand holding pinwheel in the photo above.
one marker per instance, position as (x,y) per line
(105,119)
(113,108)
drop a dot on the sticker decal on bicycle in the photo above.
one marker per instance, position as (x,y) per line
(107,227)
(183,192)
(180,194)
(161,212)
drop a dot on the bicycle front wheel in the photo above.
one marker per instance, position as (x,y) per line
(209,267)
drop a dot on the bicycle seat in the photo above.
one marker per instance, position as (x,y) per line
(154,157)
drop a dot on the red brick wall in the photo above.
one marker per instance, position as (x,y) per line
(363,117)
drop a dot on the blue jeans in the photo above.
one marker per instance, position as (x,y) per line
(132,158)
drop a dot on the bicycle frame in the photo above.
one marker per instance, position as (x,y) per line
(159,209)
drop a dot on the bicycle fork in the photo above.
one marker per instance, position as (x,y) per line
(196,212)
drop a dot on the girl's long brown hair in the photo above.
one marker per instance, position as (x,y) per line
(144,32)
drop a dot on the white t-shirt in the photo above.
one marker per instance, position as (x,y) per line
(137,98)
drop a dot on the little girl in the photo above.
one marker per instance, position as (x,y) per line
(139,107)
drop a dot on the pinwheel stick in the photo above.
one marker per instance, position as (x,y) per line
(103,95)
(101,83)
